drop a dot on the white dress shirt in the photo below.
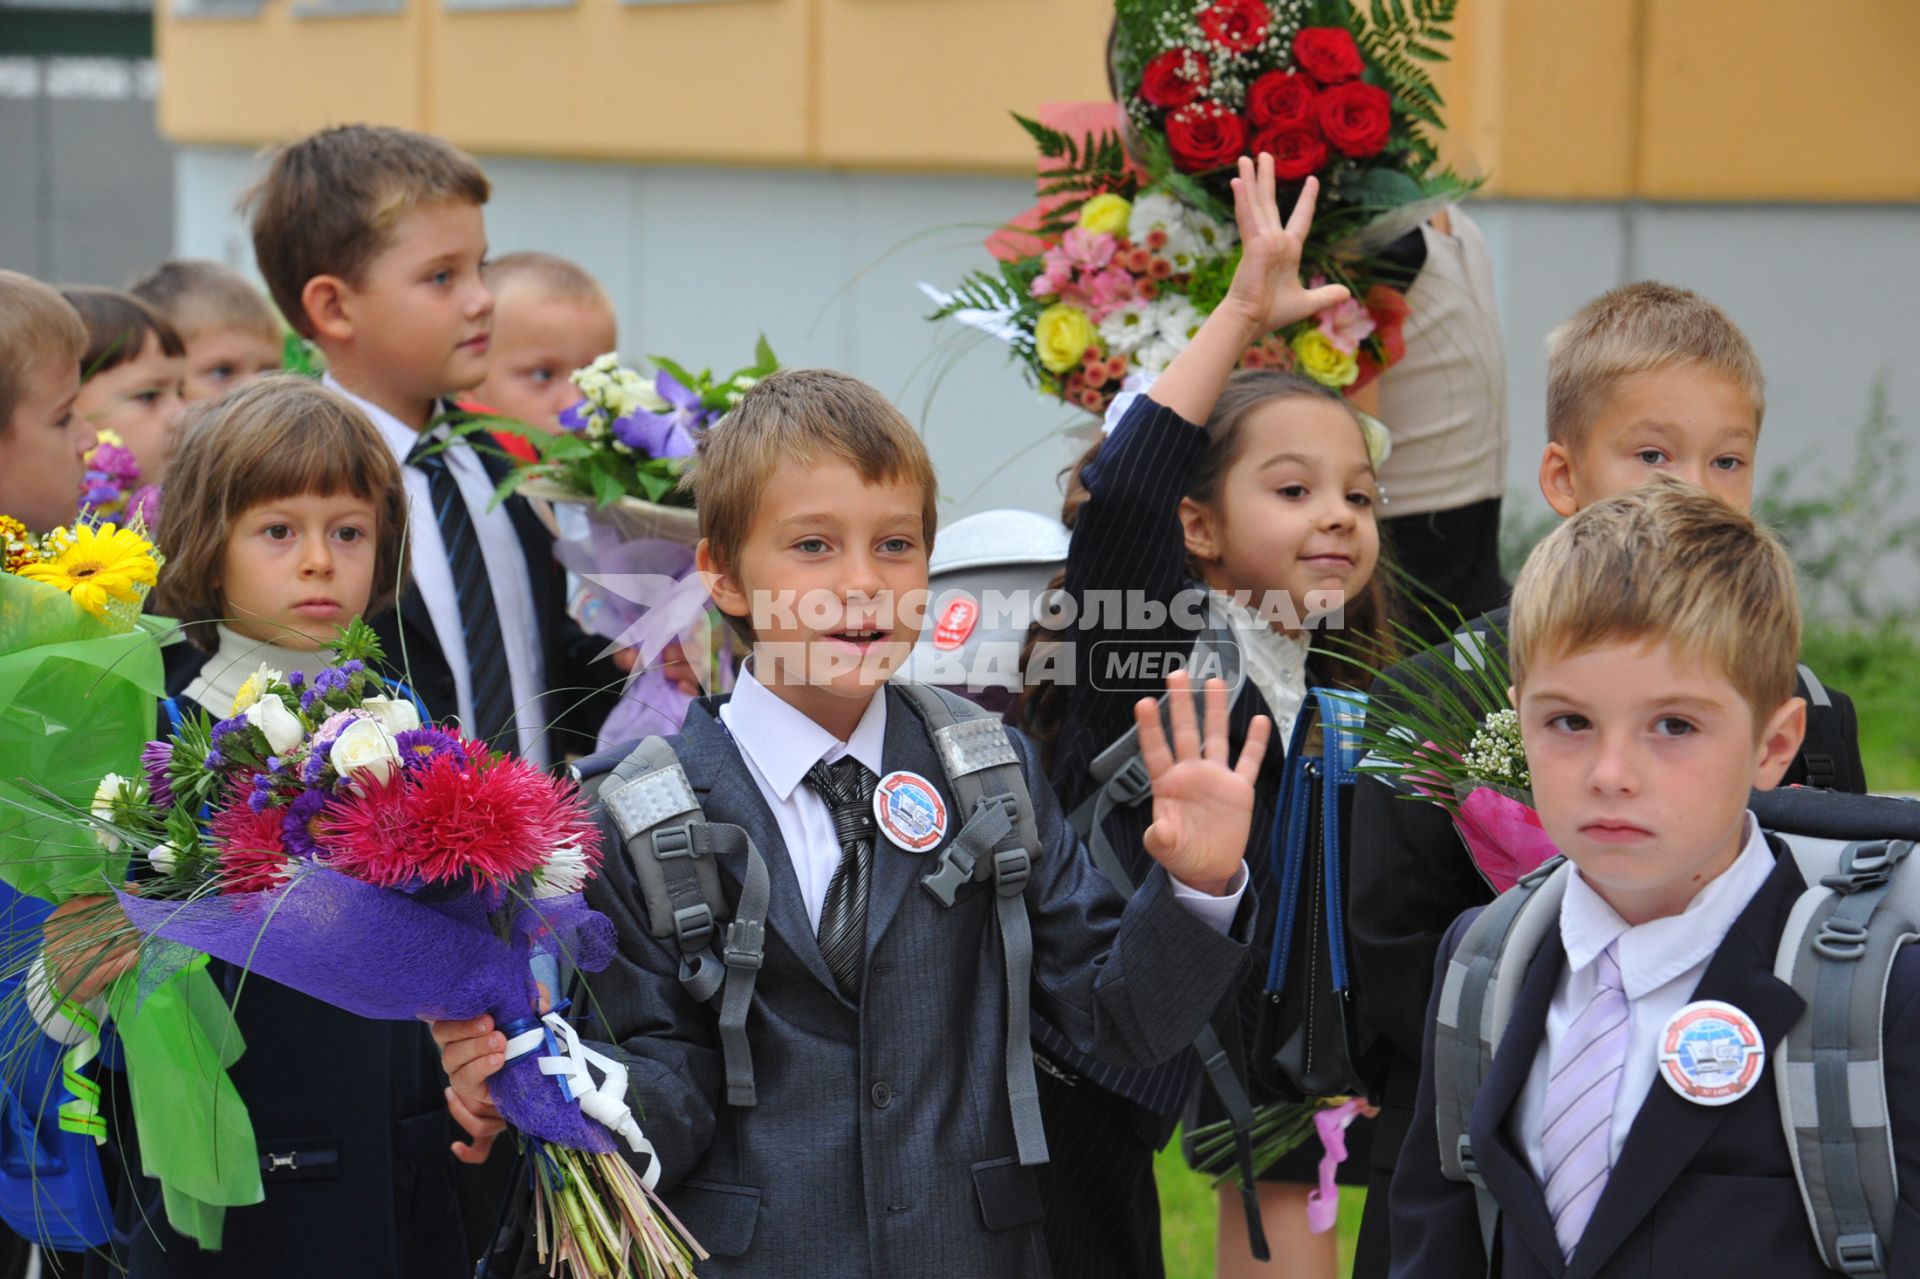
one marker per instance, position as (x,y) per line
(506,561)
(779,744)
(1661,962)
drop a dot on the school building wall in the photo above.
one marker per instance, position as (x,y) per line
(797,166)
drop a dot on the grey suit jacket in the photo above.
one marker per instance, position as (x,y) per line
(882,1145)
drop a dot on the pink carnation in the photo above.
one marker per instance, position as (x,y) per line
(1346,325)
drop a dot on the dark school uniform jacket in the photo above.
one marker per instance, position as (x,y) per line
(882,1145)
(353,1132)
(581,689)
(1127,542)
(1412,876)
(1698,1192)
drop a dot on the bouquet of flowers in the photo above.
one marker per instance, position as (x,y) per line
(323,837)
(1445,734)
(1132,246)
(112,489)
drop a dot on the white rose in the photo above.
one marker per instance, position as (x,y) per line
(104,796)
(162,857)
(397,713)
(365,746)
(281,727)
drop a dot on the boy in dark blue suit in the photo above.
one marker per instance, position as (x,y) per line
(885,1139)
(1654,637)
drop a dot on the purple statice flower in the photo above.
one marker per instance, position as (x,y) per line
(297,680)
(155,759)
(296,828)
(227,732)
(422,745)
(335,679)
(262,793)
(664,435)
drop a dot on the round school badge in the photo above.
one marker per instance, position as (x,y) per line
(1711,1053)
(910,811)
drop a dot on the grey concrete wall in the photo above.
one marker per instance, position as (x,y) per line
(697,260)
(88,193)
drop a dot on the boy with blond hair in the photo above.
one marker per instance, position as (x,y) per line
(43,442)
(1654,641)
(372,241)
(549,318)
(1645,380)
(229,331)
(886,1122)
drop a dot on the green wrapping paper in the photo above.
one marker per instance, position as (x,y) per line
(79,697)
(195,1136)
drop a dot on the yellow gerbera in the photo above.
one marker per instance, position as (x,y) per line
(97,566)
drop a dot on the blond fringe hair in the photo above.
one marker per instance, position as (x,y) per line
(37,327)
(804,416)
(329,202)
(1665,563)
(1640,328)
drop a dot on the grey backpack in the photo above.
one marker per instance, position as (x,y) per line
(1861,907)
(670,845)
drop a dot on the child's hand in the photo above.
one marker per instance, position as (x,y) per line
(1202,807)
(472,1052)
(1266,293)
(85,956)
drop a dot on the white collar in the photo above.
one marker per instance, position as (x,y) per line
(399,436)
(1275,661)
(238,657)
(783,743)
(1654,953)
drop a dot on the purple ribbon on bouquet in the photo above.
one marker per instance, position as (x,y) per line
(381,954)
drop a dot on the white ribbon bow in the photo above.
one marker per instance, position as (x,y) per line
(605,1102)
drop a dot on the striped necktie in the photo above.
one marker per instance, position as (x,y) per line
(847,787)
(488,679)
(1576,1137)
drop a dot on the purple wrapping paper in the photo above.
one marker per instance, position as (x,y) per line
(380,954)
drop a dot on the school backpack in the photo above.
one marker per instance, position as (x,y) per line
(671,847)
(1862,905)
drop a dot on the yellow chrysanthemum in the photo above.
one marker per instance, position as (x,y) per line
(97,566)
(15,544)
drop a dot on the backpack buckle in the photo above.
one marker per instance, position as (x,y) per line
(1469,1166)
(693,926)
(673,841)
(1131,784)
(1867,866)
(1011,869)
(954,872)
(746,945)
(1859,1254)
(1841,939)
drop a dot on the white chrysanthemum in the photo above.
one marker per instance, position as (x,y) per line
(1154,356)
(1150,211)
(565,872)
(1126,327)
(1176,320)
(105,796)
(1215,237)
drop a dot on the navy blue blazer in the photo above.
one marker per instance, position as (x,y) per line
(1699,1192)
(1127,540)
(883,1145)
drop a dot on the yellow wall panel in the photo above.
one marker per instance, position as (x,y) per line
(1775,99)
(929,83)
(722,83)
(272,77)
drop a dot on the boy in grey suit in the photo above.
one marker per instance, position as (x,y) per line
(883,1141)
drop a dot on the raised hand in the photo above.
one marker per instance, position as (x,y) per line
(1202,805)
(1266,292)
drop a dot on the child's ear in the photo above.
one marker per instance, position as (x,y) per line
(1556,480)
(1780,742)
(324,299)
(1196,521)
(725,590)
(1513,697)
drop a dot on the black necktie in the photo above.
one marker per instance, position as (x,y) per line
(487,675)
(847,787)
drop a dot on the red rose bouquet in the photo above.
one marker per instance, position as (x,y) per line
(1132,244)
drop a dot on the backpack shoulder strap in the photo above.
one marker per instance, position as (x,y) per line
(1842,936)
(997,842)
(1476,1000)
(1822,748)
(671,847)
